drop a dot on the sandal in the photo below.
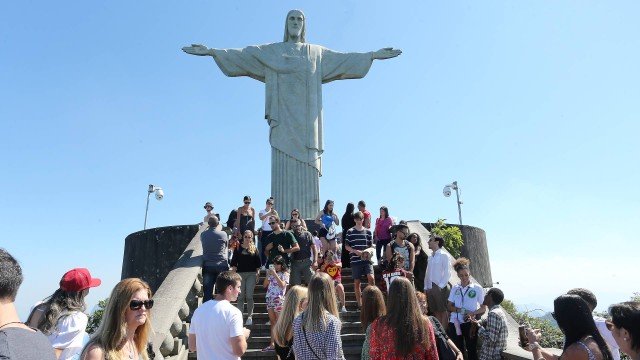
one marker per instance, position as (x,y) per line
(268,348)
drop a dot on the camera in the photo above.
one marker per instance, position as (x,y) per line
(446,191)
(272,267)
(159,194)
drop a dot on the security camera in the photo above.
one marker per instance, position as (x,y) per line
(159,193)
(446,191)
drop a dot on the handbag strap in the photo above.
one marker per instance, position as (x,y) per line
(307,339)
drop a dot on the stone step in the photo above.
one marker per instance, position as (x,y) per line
(348,287)
(350,316)
(262,306)
(261,329)
(350,353)
(260,342)
(345,280)
(345,271)
(261,297)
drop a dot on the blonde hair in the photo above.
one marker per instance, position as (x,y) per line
(111,333)
(291,308)
(252,248)
(322,301)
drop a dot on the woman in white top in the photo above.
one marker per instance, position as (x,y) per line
(465,300)
(61,316)
(265,229)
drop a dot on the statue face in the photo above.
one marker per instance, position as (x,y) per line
(295,23)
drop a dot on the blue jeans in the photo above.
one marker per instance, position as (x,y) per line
(263,245)
(209,276)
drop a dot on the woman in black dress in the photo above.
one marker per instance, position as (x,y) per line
(347,223)
(245,218)
(420,268)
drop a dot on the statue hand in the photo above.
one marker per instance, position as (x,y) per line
(196,49)
(386,53)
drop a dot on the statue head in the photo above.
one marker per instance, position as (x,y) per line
(294,25)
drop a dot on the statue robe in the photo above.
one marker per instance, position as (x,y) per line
(293,74)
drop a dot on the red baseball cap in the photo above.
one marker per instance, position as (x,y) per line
(78,279)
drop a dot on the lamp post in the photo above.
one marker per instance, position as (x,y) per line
(159,195)
(447,192)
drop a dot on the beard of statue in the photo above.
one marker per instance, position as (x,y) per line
(298,33)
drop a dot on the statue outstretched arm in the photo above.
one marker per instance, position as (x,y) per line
(386,53)
(199,50)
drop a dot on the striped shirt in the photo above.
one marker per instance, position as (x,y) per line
(358,240)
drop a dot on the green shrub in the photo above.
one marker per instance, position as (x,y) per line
(96,316)
(552,337)
(452,237)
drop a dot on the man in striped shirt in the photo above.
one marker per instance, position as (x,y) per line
(357,240)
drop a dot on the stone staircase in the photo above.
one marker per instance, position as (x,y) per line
(352,334)
(178,292)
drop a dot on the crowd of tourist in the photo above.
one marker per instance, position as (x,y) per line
(416,311)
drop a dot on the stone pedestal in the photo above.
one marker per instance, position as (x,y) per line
(150,254)
(474,249)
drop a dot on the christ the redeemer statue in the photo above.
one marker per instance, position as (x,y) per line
(293,72)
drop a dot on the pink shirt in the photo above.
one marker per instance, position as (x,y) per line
(382,228)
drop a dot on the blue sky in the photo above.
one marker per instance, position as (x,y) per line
(531,106)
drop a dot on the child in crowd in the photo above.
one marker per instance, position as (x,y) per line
(395,269)
(276,283)
(332,266)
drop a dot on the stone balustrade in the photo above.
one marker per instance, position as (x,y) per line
(175,301)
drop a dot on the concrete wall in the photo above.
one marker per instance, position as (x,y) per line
(150,254)
(475,249)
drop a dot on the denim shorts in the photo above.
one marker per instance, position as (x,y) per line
(360,269)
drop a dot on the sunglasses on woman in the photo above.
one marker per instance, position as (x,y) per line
(137,304)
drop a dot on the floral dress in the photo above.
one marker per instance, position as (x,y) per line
(382,344)
(275,294)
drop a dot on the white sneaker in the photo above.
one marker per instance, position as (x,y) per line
(344,309)
(249,321)
(268,323)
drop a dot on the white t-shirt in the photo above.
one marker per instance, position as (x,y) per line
(69,334)
(265,222)
(318,244)
(607,336)
(438,270)
(469,298)
(214,323)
